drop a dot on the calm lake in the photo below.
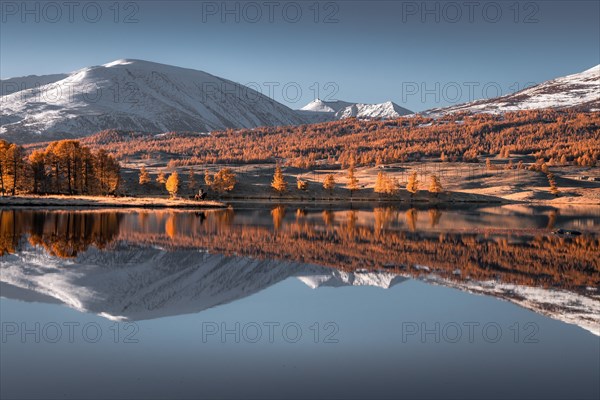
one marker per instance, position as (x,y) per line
(319,301)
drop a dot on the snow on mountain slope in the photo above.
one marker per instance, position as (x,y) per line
(134,283)
(137,95)
(580,90)
(323,111)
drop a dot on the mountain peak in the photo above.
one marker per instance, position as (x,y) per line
(123,61)
(136,95)
(322,111)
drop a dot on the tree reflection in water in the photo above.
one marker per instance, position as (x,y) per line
(61,234)
(381,238)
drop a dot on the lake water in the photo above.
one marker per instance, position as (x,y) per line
(303,301)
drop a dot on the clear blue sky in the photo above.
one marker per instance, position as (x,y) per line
(372,51)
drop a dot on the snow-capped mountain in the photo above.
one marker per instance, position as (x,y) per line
(319,105)
(581,90)
(135,95)
(323,111)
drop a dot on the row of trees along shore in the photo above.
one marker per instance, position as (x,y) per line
(64,167)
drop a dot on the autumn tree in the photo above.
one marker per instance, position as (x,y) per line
(352,182)
(192,180)
(413,184)
(329,183)
(68,155)
(279,183)
(224,181)
(172,184)
(435,186)
(301,184)
(108,173)
(88,172)
(392,186)
(37,163)
(552,181)
(208,179)
(380,183)
(13,168)
(144,176)
(386,184)
(3,164)
(161,179)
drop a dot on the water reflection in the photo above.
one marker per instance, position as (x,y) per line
(381,238)
(61,234)
(495,251)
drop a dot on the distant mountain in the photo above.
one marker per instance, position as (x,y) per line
(133,95)
(581,91)
(323,111)
(319,105)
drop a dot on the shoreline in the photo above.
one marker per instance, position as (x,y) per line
(107,202)
(447,200)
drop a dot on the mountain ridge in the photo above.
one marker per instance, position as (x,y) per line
(144,96)
(138,95)
(324,111)
(579,90)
